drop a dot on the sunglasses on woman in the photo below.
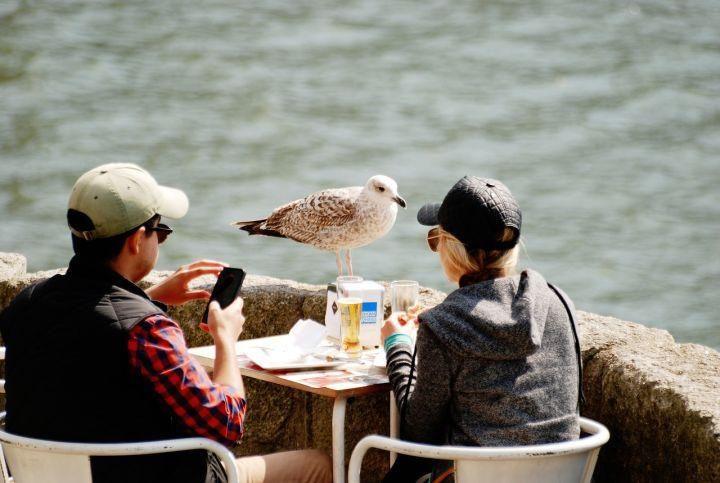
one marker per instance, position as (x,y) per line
(162,230)
(433,238)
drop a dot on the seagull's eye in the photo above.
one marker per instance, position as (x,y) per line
(381,189)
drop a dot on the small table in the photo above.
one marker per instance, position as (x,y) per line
(340,383)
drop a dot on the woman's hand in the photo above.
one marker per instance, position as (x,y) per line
(398,324)
(414,311)
(175,289)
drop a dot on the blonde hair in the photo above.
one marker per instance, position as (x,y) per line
(479,264)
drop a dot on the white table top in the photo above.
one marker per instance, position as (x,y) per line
(349,379)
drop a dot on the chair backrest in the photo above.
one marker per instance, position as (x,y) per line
(41,461)
(569,461)
(4,474)
(36,465)
(2,381)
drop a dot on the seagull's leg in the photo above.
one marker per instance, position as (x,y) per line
(338,261)
(348,261)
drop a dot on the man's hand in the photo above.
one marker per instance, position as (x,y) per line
(398,323)
(226,325)
(175,289)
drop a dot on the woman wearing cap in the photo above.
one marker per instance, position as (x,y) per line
(496,362)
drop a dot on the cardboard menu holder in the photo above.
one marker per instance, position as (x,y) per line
(371,318)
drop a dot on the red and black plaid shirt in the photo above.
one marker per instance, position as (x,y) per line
(159,354)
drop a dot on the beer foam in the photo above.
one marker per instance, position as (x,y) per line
(349,300)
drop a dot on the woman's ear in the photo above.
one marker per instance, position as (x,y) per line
(134,241)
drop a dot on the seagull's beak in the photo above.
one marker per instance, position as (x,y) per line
(398,199)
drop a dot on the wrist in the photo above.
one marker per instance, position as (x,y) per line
(150,292)
(224,341)
(157,294)
(395,339)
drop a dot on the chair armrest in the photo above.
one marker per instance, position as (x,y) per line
(396,446)
(598,435)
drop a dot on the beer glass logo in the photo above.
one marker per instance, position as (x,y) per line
(369,313)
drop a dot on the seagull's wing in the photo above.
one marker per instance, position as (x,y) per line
(302,219)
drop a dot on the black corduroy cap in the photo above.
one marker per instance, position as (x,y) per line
(476,211)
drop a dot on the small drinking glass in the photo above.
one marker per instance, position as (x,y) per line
(403,295)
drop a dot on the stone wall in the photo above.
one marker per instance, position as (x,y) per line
(660,400)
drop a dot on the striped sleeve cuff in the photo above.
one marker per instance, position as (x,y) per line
(395,339)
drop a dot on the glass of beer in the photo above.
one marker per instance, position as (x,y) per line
(403,295)
(350,312)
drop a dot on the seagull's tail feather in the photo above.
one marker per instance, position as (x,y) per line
(243,224)
(255,227)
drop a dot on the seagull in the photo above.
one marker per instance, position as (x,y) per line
(335,219)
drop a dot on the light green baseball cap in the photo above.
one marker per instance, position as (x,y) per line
(118,197)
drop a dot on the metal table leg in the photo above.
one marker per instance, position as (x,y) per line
(338,439)
(394,424)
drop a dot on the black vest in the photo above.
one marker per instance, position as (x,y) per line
(68,376)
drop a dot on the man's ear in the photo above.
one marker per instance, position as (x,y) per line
(134,241)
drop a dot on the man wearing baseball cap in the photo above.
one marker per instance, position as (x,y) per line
(91,357)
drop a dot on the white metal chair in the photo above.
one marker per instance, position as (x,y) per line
(569,461)
(4,474)
(2,381)
(41,461)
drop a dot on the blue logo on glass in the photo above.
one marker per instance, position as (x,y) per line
(369,313)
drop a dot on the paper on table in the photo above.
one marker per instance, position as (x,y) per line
(296,351)
(306,335)
(337,379)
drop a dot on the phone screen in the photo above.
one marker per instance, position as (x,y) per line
(226,288)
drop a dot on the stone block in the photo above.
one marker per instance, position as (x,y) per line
(659,400)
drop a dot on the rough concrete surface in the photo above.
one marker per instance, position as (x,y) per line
(659,399)
(12,265)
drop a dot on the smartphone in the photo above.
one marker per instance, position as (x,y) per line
(226,288)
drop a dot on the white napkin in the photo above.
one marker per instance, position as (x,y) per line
(306,335)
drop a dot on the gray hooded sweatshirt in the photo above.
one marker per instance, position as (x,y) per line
(495,366)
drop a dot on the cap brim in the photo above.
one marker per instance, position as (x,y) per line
(173,203)
(428,214)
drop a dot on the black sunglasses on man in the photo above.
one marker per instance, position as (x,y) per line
(162,230)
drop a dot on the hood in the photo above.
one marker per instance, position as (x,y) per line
(503,318)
